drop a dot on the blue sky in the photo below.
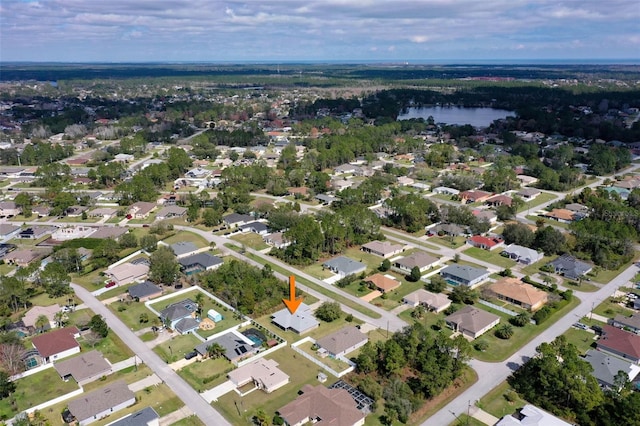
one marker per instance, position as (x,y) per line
(317,30)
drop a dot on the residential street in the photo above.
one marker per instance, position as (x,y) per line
(492,374)
(182,389)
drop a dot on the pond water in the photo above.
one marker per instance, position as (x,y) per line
(477,117)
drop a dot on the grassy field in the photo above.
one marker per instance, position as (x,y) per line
(129,313)
(464,420)
(318,271)
(582,339)
(585,286)
(550,222)
(252,240)
(492,257)
(610,309)
(176,348)
(497,404)
(112,347)
(318,288)
(543,197)
(334,364)
(33,390)
(534,268)
(445,241)
(604,276)
(186,236)
(189,421)
(129,375)
(207,374)
(300,370)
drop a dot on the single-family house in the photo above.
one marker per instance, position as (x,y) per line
(169,212)
(528,194)
(522,254)
(301,191)
(127,272)
(530,415)
(57,344)
(443,190)
(263,373)
(620,343)
(84,368)
(474,196)
(123,158)
(141,209)
(302,321)
(560,215)
(31,316)
(485,243)
(145,417)
(345,169)
(631,323)
(72,232)
(104,212)
(499,200)
(580,209)
(36,232)
(570,267)
(259,228)
(450,229)
(236,346)
(113,232)
(606,367)
(526,180)
(8,230)
(332,406)
(6,249)
(178,311)
(485,215)
(420,259)
(383,283)
(472,322)
(521,294)
(235,220)
(436,302)
(383,249)
(75,211)
(41,211)
(183,248)
(144,291)
(24,257)
(342,342)
(95,405)
(325,199)
(9,209)
(464,275)
(343,266)
(199,262)
(276,239)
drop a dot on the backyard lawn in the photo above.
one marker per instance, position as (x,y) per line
(33,390)
(534,268)
(492,257)
(318,271)
(446,241)
(334,364)
(129,312)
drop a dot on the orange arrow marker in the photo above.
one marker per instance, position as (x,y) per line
(292,304)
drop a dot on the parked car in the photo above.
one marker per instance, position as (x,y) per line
(581,326)
(191,354)
(110,284)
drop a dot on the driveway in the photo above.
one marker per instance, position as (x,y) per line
(182,389)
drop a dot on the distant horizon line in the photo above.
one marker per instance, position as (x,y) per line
(404,62)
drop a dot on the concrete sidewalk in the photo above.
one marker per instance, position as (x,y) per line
(176,416)
(483,416)
(151,380)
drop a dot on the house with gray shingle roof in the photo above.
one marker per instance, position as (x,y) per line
(175,312)
(570,267)
(472,322)
(343,341)
(522,254)
(236,346)
(420,259)
(464,275)
(606,367)
(302,321)
(344,266)
(199,262)
(145,417)
(144,291)
(100,403)
(183,248)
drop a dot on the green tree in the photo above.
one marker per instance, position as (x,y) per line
(550,241)
(164,267)
(7,387)
(415,274)
(144,318)
(128,240)
(520,320)
(463,294)
(55,280)
(329,311)
(215,350)
(149,243)
(505,331)
(518,233)
(41,323)
(307,241)
(99,326)
(385,265)
(436,284)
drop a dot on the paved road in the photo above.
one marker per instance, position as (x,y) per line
(492,374)
(182,389)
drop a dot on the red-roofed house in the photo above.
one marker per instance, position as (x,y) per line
(474,196)
(485,243)
(620,343)
(499,200)
(57,344)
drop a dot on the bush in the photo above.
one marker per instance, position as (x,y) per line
(329,311)
(481,345)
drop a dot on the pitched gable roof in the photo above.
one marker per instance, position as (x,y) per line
(342,340)
(56,341)
(620,341)
(331,406)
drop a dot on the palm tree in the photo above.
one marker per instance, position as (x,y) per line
(60,318)
(505,331)
(215,350)
(199,299)
(41,322)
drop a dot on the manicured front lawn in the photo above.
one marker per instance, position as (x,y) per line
(130,375)
(176,348)
(604,276)
(540,199)
(534,268)
(318,271)
(581,339)
(453,242)
(300,370)
(33,390)
(189,421)
(492,257)
(497,404)
(549,222)
(112,347)
(610,309)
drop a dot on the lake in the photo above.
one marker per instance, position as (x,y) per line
(477,117)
